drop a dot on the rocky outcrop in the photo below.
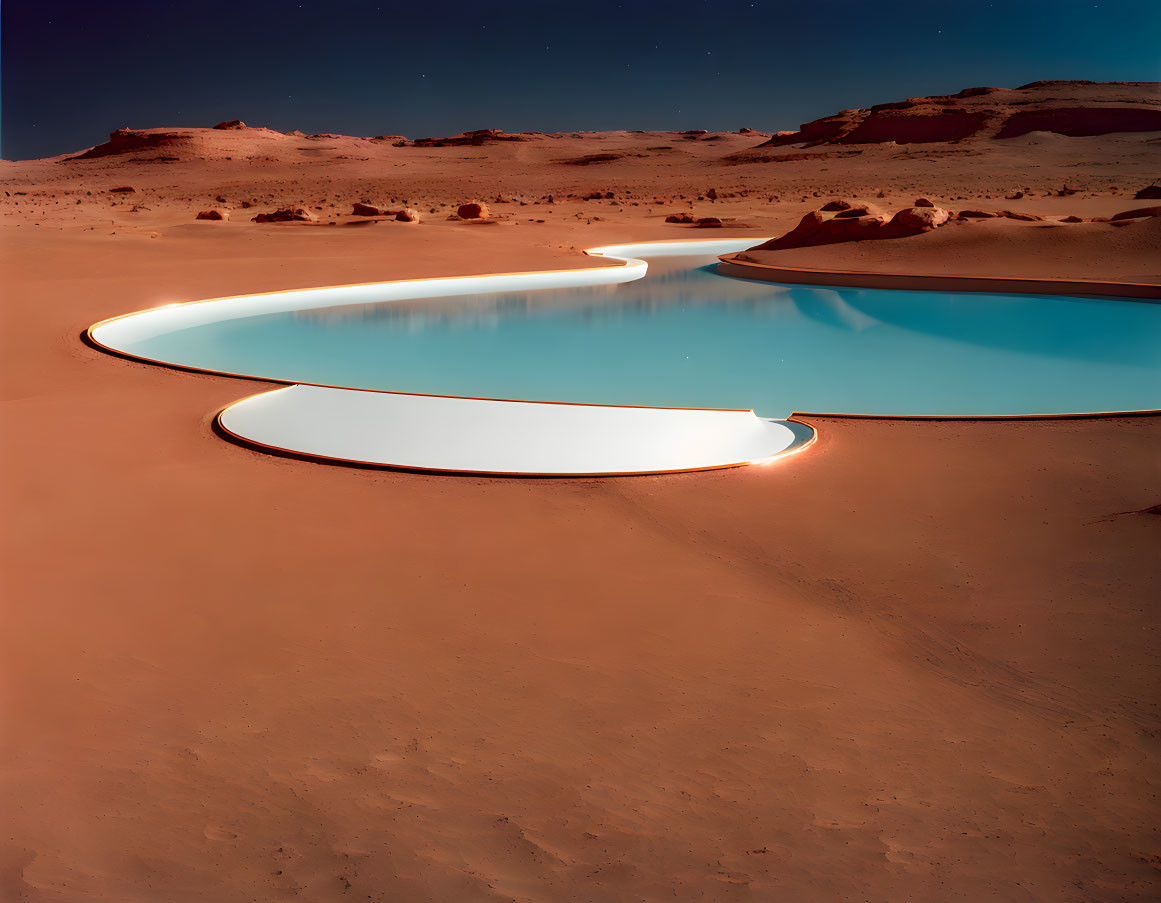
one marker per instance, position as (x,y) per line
(1077,122)
(223,141)
(287,215)
(857,223)
(589,159)
(1148,193)
(1073,109)
(124,141)
(913,220)
(477,138)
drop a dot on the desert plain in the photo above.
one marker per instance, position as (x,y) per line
(919,661)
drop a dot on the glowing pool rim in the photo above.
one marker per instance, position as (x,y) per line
(782,439)
(627,269)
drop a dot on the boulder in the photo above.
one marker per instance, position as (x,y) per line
(473,210)
(1148,193)
(1015,196)
(1023,217)
(214,213)
(679,218)
(975,214)
(123,189)
(708,222)
(922,202)
(913,220)
(834,206)
(286,215)
(408,215)
(360,209)
(1072,219)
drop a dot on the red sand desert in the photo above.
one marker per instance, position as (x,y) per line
(918,662)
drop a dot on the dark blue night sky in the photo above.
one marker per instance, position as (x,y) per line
(75,69)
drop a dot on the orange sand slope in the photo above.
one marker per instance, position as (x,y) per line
(918,662)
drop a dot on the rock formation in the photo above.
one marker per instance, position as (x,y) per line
(856,223)
(287,215)
(1091,108)
(471,139)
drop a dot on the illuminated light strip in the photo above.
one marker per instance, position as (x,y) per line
(117,333)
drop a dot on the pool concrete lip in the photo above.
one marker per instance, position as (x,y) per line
(508,438)
(512,437)
(456,434)
(733,265)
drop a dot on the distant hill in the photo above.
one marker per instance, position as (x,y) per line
(1071,108)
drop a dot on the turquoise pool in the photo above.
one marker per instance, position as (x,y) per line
(685,336)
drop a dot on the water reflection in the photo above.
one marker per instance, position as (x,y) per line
(687,336)
(673,282)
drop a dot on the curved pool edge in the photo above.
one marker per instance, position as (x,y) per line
(730,265)
(947,418)
(628,268)
(628,440)
(484,437)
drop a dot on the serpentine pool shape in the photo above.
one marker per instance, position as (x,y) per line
(661,338)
